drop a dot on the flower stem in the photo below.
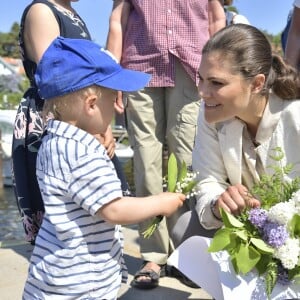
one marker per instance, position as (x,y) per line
(152,227)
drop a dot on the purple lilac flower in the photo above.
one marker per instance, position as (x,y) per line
(258,217)
(274,234)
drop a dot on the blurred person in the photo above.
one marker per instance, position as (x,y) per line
(42,21)
(163,39)
(292,50)
(285,32)
(231,16)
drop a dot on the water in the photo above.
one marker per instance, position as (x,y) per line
(11,228)
(10,221)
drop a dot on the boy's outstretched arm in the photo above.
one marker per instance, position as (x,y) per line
(131,210)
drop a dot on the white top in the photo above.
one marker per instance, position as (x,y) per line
(297,3)
(234,18)
(77,254)
(225,155)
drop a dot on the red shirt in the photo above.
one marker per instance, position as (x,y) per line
(158,31)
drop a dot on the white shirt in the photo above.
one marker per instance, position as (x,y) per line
(234,18)
(77,254)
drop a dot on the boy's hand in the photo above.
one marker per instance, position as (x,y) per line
(170,202)
(119,106)
(108,141)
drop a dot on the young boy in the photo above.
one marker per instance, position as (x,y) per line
(78,251)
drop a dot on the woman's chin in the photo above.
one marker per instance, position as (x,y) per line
(216,115)
(211,118)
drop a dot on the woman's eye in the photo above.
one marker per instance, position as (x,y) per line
(217,83)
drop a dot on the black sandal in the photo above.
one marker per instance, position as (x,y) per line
(152,275)
(182,278)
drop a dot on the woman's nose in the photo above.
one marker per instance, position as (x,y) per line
(203,90)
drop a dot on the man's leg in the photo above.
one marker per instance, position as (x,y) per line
(182,108)
(146,129)
(183,102)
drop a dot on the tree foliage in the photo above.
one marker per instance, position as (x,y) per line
(232,8)
(9,45)
(275,40)
(12,89)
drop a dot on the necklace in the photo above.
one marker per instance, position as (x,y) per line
(71,14)
(61,8)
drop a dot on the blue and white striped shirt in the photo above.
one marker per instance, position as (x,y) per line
(77,254)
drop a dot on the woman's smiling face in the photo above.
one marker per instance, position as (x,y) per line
(226,93)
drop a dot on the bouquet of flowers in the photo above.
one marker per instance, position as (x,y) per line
(178,180)
(266,239)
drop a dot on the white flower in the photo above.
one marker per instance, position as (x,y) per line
(183,184)
(296,200)
(282,213)
(288,253)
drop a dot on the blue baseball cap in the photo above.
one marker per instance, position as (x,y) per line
(69,65)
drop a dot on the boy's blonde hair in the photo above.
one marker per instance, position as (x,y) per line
(67,106)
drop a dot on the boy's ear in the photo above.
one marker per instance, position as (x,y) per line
(258,83)
(90,103)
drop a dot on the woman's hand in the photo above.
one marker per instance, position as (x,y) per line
(235,199)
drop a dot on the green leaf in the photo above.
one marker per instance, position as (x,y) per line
(229,220)
(152,227)
(182,172)
(242,234)
(272,189)
(295,226)
(246,258)
(189,187)
(234,242)
(261,266)
(279,154)
(172,173)
(297,279)
(271,277)
(294,274)
(262,246)
(234,264)
(220,241)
